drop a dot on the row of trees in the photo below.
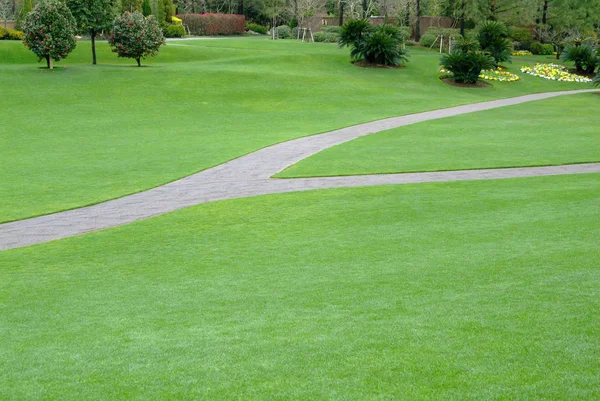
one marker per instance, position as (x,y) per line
(50,29)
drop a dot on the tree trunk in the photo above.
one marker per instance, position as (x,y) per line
(241,7)
(364,6)
(493,10)
(341,13)
(407,20)
(138,61)
(545,12)
(93,35)
(418,27)
(463,6)
(49,62)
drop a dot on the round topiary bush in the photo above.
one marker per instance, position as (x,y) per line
(50,31)
(135,36)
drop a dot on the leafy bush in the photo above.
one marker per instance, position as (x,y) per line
(295,31)
(547,49)
(214,24)
(50,31)
(256,28)
(492,37)
(332,29)
(328,37)
(283,32)
(410,43)
(466,67)
(427,39)
(536,48)
(383,46)
(353,31)
(584,57)
(174,31)
(135,36)
(11,34)
(597,80)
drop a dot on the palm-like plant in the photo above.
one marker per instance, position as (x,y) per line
(353,31)
(466,67)
(493,37)
(380,45)
(584,57)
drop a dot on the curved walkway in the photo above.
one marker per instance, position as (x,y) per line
(250,175)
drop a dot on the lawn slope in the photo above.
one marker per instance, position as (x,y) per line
(84,134)
(465,290)
(547,132)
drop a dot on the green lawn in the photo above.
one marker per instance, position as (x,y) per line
(470,290)
(548,132)
(84,134)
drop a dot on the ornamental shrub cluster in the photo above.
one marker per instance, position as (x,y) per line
(327,37)
(545,49)
(380,45)
(11,34)
(50,31)
(135,36)
(256,28)
(214,24)
(283,32)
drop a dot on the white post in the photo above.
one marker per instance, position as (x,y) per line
(450,44)
(303,33)
(441,43)
(311,37)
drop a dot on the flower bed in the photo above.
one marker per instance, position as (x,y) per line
(554,72)
(499,75)
(522,53)
(491,75)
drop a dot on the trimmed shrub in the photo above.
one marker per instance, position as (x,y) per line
(493,40)
(466,67)
(547,49)
(410,43)
(50,31)
(331,29)
(427,39)
(327,37)
(295,31)
(584,57)
(214,24)
(536,48)
(256,28)
(174,31)
(135,36)
(283,32)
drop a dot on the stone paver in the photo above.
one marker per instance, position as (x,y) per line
(250,176)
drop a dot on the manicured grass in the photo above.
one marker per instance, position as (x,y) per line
(468,290)
(548,132)
(83,134)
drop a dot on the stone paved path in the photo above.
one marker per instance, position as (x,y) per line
(250,175)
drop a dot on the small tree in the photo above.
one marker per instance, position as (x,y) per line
(93,16)
(135,36)
(50,31)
